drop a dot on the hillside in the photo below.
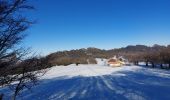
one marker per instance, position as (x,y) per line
(82,55)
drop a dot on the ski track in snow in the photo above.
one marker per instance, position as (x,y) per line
(99,82)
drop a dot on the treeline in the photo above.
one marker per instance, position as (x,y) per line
(70,57)
(154,55)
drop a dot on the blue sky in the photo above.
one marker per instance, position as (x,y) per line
(105,24)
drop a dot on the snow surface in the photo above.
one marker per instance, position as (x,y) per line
(81,70)
(99,82)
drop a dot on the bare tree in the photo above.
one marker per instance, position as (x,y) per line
(27,75)
(146,58)
(14,66)
(165,56)
(153,58)
(134,57)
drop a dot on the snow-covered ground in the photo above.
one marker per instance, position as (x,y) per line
(99,82)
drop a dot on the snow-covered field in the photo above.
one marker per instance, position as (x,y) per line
(100,82)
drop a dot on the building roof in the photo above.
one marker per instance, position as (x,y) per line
(112,60)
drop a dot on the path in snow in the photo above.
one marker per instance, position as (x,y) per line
(97,82)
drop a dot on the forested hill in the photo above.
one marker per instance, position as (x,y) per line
(81,55)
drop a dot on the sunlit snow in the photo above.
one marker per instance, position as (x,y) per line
(99,82)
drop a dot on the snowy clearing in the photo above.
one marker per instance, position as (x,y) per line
(99,82)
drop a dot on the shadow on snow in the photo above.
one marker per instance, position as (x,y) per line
(134,85)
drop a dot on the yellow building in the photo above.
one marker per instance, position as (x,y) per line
(114,62)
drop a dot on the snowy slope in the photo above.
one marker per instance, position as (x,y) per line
(81,70)
(101,61)
(98,82)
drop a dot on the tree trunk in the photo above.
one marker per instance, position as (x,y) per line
(15,94)
(1,96)
(146,63)
(14,97)
(137,63)
(18,88)
(161,66)
(153,65)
